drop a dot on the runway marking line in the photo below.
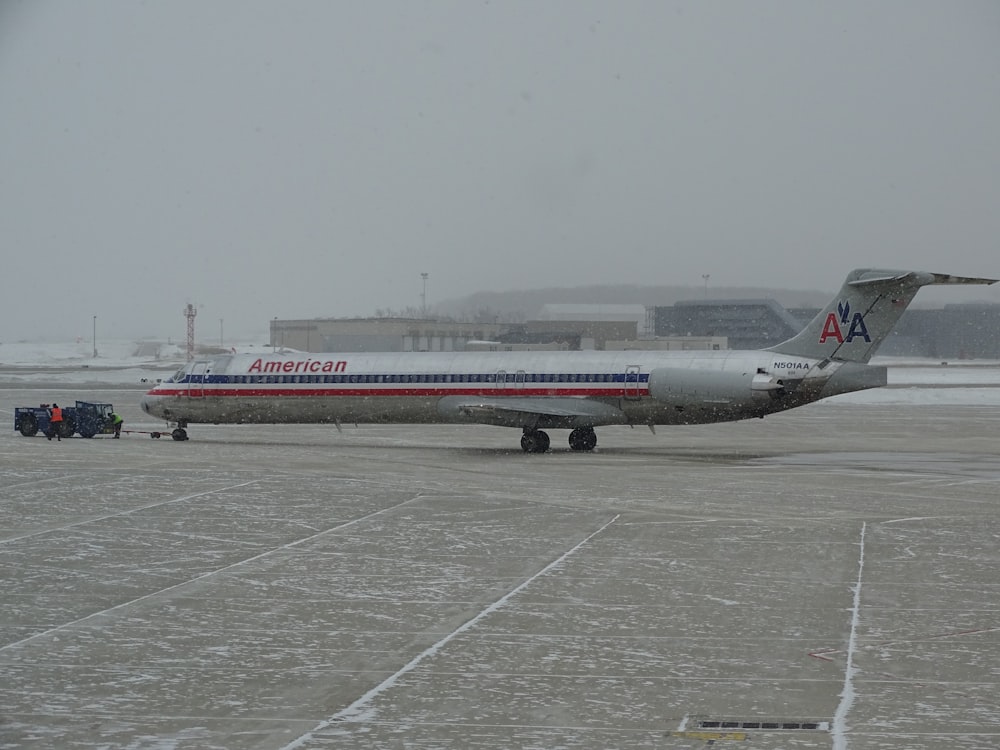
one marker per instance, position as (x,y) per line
(354,710)
(839,724)
(130,511)
(209,573)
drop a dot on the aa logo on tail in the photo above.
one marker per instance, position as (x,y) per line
(834,327)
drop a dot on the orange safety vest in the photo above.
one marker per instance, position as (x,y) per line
(56,414)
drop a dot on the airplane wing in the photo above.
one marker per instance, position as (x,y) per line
(533,412)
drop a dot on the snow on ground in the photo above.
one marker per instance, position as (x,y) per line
(117,362)
(921,396)
(911,380)
(122,353)
(931,382)
(110,353)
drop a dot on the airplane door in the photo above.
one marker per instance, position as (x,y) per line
(501,379)
(519,380)
(196,388)
(631,390)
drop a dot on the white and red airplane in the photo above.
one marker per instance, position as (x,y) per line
(536,391)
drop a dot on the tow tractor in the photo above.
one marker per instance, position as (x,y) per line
(86,418)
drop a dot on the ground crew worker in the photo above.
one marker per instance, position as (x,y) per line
(116,420)
(55,422)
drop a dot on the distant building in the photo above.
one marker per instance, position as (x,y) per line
(670,344)
(968,331)
(954,332)
(596,312)
(408,335)
(377,334)
(746,324)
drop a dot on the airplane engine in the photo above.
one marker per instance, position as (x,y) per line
(686,387)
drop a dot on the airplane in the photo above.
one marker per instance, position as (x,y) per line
(538,391)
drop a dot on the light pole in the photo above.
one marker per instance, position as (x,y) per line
(423,296)
(705,277)
(220,334)
(95,337)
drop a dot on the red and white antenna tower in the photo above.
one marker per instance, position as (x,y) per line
(189,312)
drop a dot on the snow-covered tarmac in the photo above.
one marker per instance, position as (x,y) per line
(293,587)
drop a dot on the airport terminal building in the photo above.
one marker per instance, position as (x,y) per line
(952,332)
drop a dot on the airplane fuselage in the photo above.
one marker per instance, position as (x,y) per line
(578,389)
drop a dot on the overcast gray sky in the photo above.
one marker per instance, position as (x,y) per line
(299,159)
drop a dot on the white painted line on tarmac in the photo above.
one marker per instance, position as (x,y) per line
(839,727)
(209,573)
(355,710)
(95,519)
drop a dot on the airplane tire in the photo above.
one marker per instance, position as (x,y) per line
(535,441)
(583,439)
(179,434)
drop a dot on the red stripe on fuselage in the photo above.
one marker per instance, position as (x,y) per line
(313,392)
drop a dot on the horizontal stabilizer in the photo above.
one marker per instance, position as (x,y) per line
(857,321)
(920,278)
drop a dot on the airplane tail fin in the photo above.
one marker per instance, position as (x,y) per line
(857,321)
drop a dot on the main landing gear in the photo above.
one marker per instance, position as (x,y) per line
(583,439)
(580,439)
(534,441)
